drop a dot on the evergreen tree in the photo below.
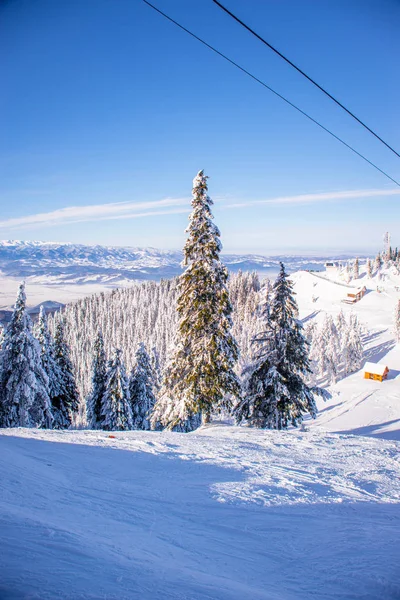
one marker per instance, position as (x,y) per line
(378,262)
(356,269)
(66,404)
(200,377)
(115,408)
(24,399)
(99,375)
(397,322)
(311,334)
(330,350)
(50,365)
(141,384)
(369,268)
(156,367)
(275,393)
(386,259)
(352,349)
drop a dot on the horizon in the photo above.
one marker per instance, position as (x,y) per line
(322,253)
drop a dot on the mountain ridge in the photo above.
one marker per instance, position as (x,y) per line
(79,263)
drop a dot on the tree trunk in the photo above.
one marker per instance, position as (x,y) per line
(205,417)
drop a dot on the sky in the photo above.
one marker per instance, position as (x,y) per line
(108,111)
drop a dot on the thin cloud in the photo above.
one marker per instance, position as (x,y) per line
(320,197)
(99,212)
(136,210)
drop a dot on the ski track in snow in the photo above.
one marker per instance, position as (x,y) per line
(224,513)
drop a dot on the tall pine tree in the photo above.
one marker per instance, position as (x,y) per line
(200,377)
(24,399)
(99,377)
(378,262)
(397,321)
(141,389)
(356,269)
(369,268)
(115,407)
(275,393)
(66,404)
(50,365)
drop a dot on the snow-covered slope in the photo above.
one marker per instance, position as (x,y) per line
(358,405)
(221,514)
(224,513)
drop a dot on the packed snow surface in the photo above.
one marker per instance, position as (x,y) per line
(223,513)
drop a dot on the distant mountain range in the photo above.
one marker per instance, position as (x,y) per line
(78,264)
(50,307)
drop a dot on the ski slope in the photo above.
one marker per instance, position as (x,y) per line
(358,405)
(224,513)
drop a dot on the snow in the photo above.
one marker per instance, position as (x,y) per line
(221,514)
(358,405)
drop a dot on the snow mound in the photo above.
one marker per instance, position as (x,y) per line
(221,514)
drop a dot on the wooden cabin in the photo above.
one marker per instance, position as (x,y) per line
(355,295)
(375,371)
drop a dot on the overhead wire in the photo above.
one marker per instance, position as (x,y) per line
(322,89)
(232,62)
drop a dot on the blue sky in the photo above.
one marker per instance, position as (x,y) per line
(108,111)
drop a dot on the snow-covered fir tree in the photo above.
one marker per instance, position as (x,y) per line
(356,269)
(386,257)
(24,399)
(397,322)
(309,333)
(50,365)
(66,405)
(275,393)
(141,389)
(378,262)
(329,350)
(116,412)
(156,368)
(369,268)
(352,348)
(200,378)
(99,376)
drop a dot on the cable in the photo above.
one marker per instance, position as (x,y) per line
(304,75)
(273,91)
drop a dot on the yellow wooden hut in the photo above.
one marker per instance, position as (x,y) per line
(376,371)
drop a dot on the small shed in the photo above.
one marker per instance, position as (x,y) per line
(376,371)
(356,294)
